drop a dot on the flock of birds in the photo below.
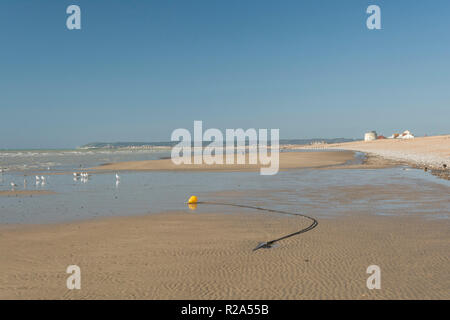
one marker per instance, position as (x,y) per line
(82,176)
(41,180)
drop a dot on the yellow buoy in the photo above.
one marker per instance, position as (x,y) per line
(192,200)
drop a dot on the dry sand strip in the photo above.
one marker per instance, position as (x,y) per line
(25,193)
(428,153)
(209,256)
(288,160)
(423,151)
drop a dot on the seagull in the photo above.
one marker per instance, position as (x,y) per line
(13,185)
(37,178)
(117,177)
(43,178)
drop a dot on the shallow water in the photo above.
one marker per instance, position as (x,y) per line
(319,193)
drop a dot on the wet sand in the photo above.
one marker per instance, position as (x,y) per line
(25,193)
(191,255)
(370,161)
(288,160)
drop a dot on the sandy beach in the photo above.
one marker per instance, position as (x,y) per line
(209,256)
(288,160)
(421,151)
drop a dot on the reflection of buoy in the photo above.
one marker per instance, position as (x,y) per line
(192,200)
(192,206)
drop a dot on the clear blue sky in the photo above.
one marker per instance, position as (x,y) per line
(140,69)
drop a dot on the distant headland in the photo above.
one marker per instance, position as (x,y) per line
(165,144)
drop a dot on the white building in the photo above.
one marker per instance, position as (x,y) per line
(406,135)
(370,136)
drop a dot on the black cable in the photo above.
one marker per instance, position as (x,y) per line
(268,244)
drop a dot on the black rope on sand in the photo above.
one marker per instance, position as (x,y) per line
(268,244)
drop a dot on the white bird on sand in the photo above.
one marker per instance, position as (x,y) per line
(42,178)
(117,177)
(38,178)
(13,185)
